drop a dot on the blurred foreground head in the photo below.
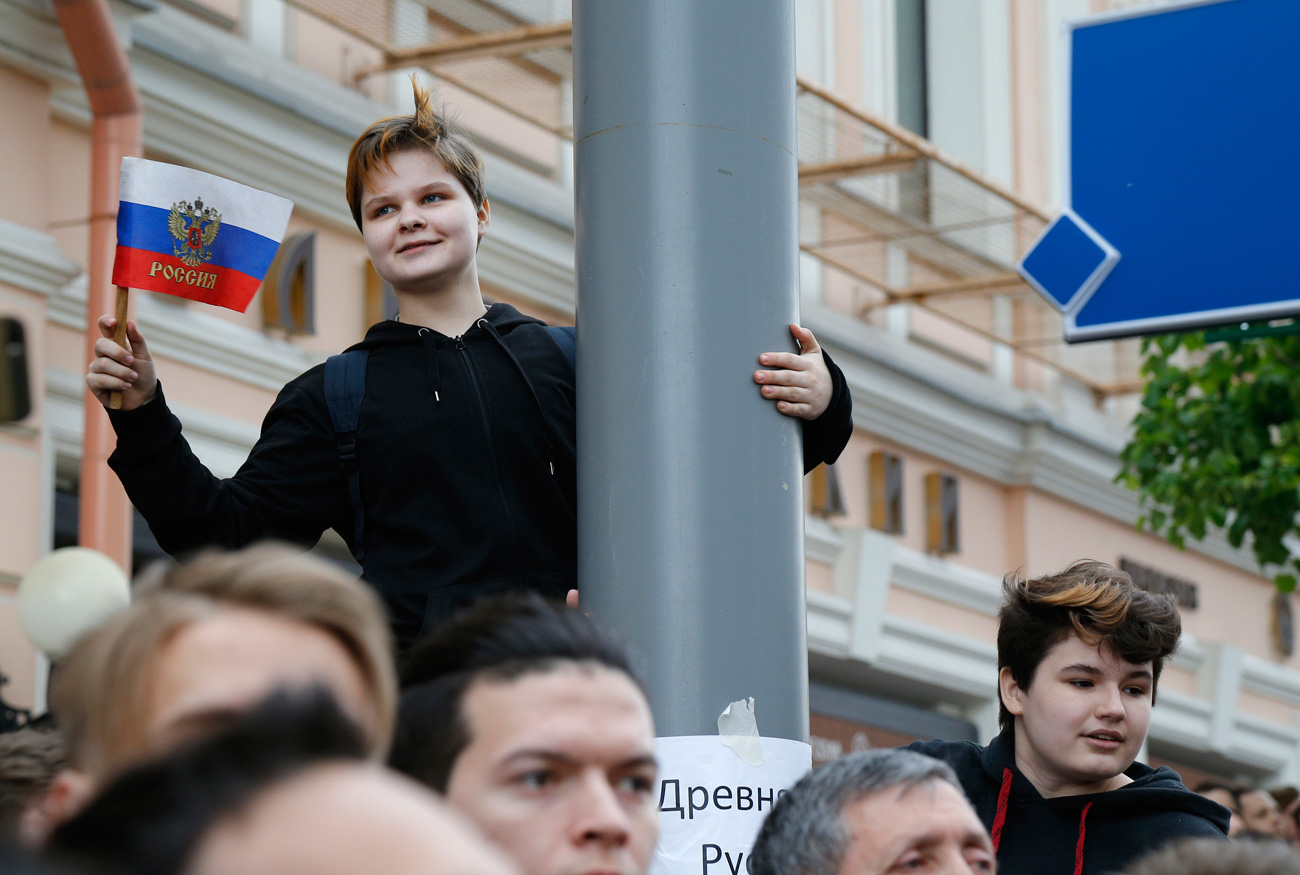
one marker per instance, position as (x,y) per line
(286,789)
(527,716)
(206,640)
(870,813)
(29,761)
(1214,857)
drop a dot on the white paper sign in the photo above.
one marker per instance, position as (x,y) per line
(712,803)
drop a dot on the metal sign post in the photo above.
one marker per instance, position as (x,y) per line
(690,484)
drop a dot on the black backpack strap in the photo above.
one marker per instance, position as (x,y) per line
(345,389)
(564,335)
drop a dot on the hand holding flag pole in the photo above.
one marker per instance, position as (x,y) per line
(119,337)
(191,234)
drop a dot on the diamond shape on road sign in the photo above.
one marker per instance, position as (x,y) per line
(1068,261)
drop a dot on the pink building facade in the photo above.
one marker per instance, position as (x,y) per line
(971,457)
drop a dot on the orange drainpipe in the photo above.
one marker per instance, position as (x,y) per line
(115,132)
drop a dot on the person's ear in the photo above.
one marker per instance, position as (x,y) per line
(484,217)
(1011,692)
(71,791)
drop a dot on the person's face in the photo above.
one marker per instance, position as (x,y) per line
(420,226)
(1082,720)
(342,819)
(1224,798)
(560,771)
(217,668)
(929,828)
(1259,812)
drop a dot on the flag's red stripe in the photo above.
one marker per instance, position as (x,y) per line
(211,285)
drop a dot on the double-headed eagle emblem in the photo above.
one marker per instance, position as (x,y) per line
(195,228)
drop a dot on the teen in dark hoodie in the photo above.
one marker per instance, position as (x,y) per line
(464,440)
(1079,657)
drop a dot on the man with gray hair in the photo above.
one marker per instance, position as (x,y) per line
(871,813)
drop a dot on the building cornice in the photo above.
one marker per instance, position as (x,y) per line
(916,398)
(183,332)
(31,260)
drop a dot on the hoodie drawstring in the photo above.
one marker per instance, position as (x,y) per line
(1000,817)
(541,411)
(1078,848)
(431,372)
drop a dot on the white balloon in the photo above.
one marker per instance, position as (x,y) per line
(68,593)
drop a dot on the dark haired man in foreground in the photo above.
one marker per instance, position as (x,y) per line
(1079,657)
(527,717)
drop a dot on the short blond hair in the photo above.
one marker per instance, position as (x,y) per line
(101,688)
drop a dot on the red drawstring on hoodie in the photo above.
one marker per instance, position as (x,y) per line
(1000,818)
(1078,849)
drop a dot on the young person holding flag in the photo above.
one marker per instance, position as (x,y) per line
(442,446)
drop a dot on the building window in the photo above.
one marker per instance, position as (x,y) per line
(827,499)
(913,82)
(941,534)
(289,290)
(885,489)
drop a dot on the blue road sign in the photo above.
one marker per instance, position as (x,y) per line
(1182,144)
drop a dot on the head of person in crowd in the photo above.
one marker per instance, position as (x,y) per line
(1226,795)
(1211,857)
(527,716)
(871,813)
(287,788)
(1288,802)
(206,640)
(1079,659)
(29,761)
(1259,813)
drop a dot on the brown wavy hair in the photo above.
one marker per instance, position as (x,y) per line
(426,128)
(1093,600)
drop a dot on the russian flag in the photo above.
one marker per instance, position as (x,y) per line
(187,233)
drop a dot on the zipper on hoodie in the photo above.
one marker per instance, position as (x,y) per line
(463,351)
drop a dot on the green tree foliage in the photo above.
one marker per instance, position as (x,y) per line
(1217,443)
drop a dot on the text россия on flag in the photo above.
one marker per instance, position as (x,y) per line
(187,233)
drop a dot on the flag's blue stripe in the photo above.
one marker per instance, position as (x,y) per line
(144,227)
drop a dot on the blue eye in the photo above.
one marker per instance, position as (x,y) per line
(429,198)
(382,211)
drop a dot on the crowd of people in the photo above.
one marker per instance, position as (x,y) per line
(258,710)
(248,714)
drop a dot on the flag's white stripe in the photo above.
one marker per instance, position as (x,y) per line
(156,184)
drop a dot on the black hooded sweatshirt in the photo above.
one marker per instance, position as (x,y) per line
(1089,834)
(466,460)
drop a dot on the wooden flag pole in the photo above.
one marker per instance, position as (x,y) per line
(119,337)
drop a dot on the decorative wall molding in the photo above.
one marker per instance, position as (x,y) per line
(32,260)
(184,332)
(914,397)
(220,443)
